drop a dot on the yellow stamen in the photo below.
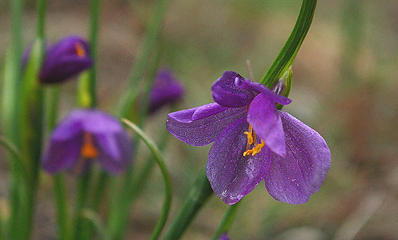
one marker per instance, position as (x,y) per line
(258,148)
(80,50)
(249,135)
(88,150)
(252,139)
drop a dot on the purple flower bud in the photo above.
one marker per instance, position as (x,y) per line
(166,90)
(65,59)
(224,236)
(87,136)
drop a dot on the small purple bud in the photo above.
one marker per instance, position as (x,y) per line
(65,59)
(166,90)
(224,236)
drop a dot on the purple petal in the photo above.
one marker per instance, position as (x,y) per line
(224,236)
(201,125)
(261,88)
(227,94)
(62,154)
(116,151)
(300,174)
(231,175)
(166,89)
(62,62)
(267,124)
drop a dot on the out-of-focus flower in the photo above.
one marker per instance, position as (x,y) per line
(86,136)
(166,90)
(253,141)
(224,236)
(65,59)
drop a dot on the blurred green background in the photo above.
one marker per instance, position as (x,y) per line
(344,86)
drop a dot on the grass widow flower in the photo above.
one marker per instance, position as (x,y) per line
(85,136)
(65,59)
(166,90)
(253,141)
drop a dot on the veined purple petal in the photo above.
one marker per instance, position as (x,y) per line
(261,88)
(201,125)
(232,175)
(166,89)
(61,155)
(116,151)
(267,124)
(65,59)
(300,174)
(226,93)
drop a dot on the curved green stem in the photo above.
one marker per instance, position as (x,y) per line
(166,179)
(227,220)
(289,51)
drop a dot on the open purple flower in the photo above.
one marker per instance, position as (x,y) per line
(65,59)
(166,90)
(253,141)
(85,136)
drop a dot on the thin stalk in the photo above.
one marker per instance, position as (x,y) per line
(10,112)
(166,179)
(289,51)
(32,100)
(62,207)
(59,188)
(121,202)
(197,197)
(17,157)
(134,191)
(81,201)
(227,220)
(87,98)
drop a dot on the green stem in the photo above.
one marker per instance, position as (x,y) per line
(227,220)
(122,201)
(62,208)
(81,201)
(17,158)
(133,192)
(10,112)
(289,51)
(166,179)
(197,197)
(41,14)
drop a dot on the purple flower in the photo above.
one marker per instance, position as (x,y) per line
(224,236)
(65,59)
(85,136)
(253,141)
(166,89)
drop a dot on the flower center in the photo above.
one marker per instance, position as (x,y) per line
(252,140)
(80,50)
(88,149)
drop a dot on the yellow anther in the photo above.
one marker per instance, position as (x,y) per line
(249,137)
(252,139)
(258,148)
(80,50)
(88,149)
